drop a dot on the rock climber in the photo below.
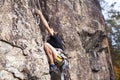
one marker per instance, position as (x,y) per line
(53,47)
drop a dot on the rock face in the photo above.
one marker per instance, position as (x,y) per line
(80,24)
(21,51)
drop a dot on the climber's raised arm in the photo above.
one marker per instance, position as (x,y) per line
(50,30)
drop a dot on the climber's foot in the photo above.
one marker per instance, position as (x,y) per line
(54,69)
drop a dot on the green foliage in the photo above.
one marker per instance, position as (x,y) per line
(114,23)
(111,22)
(113,29)
(118,17)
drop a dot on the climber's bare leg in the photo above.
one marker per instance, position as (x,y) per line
(50,52)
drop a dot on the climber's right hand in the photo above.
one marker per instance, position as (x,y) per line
(38,12)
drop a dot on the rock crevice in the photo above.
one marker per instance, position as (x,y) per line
(79,23)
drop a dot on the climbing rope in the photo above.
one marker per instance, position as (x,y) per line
(64,69)
(38,2)
(62,75)
(36,5)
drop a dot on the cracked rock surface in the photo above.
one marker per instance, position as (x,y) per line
(79,23)
(21,51)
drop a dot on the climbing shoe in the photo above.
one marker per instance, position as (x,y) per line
(54,69)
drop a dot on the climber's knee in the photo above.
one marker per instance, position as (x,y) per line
(47,47)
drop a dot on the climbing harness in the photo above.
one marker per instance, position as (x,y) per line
(61,60)
(62,64)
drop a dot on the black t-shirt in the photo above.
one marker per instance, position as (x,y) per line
(55,41)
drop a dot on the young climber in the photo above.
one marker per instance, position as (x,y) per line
(53,46)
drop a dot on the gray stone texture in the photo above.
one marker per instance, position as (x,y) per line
(21,40)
